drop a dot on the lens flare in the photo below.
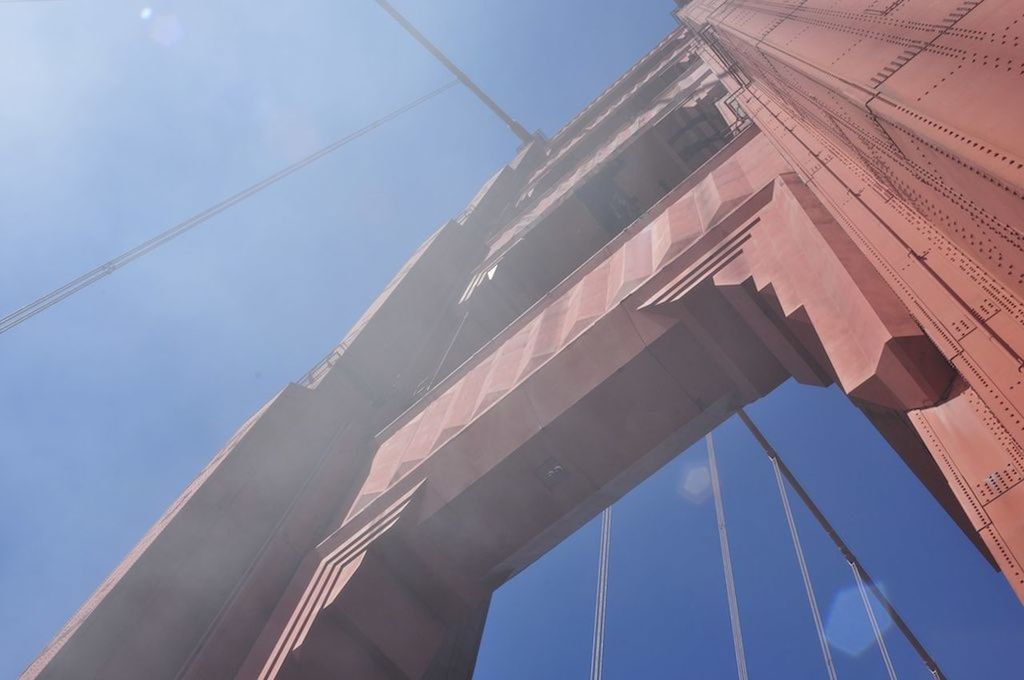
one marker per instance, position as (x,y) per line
(695,483)
(165,30)
(847,626)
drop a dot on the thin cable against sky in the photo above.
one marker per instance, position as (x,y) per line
(601,601)
(730,581)
(513,125)
(780,467)
(812,600)
(106,269)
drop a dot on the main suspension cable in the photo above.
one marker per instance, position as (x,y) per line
(513,125)
(597,651)
(844,549)
(67,290)
(723,540)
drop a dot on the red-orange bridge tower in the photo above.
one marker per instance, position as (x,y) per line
(789,188)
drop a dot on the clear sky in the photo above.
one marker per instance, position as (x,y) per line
(667,614)
(120,119)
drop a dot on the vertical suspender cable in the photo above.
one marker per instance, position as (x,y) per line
(730,584)
(597,652)
(926,658)
(808,586)
(879,638)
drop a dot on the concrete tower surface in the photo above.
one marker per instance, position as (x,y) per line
(801,189)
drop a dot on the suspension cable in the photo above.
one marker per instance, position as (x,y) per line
(597,651)
(812,601)
(67,290)
(517,129)
(723,540)
(844,549)
(879,638)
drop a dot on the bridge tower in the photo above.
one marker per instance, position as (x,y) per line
(799,188)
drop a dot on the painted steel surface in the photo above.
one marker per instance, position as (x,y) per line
(527,367)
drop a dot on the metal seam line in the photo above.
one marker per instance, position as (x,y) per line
(444,357)
(730,583)
(597,652)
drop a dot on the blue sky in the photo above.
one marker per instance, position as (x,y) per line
(120,119)
(667,614)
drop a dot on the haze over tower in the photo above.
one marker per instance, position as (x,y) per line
(775,191)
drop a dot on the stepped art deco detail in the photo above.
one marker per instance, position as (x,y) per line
(830,192)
